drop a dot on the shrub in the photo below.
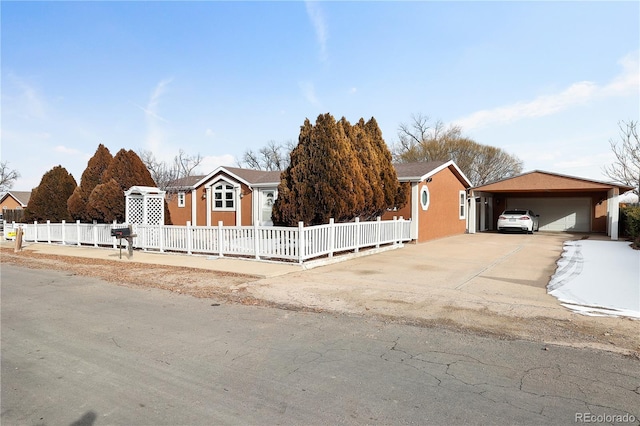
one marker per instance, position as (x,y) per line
(630,221)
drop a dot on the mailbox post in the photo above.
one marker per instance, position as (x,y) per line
(127,234)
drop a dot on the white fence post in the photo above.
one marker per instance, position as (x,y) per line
(378,228)
(357,235)
(220,239)
(64,225)
(49,231)
(115,244)
(161,238)
(301,242)
(78,230)
(35,230)
(395,230)
(95,233)
(144,233)
(189,236)
(256,239)
(332,236)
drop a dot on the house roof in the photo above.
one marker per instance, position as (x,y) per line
(407,172)
(21,197)
(419,171)
(248,176)
(540,180)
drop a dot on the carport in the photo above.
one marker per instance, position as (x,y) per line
(564,203)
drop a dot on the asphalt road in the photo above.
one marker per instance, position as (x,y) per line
(81,351)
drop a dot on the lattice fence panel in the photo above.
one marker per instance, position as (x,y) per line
(135,209)
(155,211)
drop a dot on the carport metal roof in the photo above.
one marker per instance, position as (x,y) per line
(541,181)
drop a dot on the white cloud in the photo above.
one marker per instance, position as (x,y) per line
(353,90)
(309,92)
(629,80)
(67,151)
(28,103)
(209,133)
(626,83)
(210,162)
(156,137)
(319,25)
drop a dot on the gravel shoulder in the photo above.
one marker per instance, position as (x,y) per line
(316,291)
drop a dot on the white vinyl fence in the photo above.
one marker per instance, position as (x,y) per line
(260,242)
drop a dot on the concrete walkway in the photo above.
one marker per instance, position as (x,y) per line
(258,269)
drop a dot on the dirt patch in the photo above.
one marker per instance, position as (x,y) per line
(612,334)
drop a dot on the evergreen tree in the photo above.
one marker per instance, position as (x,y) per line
(126,169)
(324,179)
(91,177)
(49,200)
(394,196)
(106,202)
(374,200)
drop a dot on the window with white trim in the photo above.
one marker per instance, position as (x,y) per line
(424,197)
(181,199)
(224,196)
(463,204)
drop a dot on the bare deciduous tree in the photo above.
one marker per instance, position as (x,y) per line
(272,157)
(626,167)
(164,173)
(418,141)
(8,176)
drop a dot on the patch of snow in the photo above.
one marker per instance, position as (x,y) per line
(600,278)
(628,197)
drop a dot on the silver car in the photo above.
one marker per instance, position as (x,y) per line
(518,220)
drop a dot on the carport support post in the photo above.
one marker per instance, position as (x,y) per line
(471,217)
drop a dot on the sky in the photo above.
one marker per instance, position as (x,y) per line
(548,82)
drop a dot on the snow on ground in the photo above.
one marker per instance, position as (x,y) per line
(600,278)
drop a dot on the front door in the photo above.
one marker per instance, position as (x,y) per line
(267,197)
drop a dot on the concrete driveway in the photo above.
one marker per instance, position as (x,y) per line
(490,282)
(486,270)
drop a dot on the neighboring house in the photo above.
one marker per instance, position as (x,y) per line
(12,205)
(239,196)
(14,200)
(235,196)
(437,206)
(564,203)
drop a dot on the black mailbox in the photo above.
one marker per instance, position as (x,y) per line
(121,232)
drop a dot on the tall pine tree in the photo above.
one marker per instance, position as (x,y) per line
(49,200)
(126,169)
(91,177)
(337,171)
